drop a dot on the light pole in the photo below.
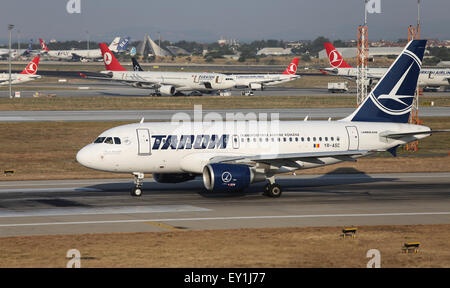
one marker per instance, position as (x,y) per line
(10,27)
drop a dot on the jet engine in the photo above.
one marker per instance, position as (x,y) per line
(229,177)
(167,90)
(256,86)
(173,177)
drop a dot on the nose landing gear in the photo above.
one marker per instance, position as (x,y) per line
(138,182)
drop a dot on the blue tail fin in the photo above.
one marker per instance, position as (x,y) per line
(392,98)
(123,45)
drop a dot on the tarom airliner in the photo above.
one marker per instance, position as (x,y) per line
(231,155)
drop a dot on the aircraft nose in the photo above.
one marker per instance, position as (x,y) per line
(84,157)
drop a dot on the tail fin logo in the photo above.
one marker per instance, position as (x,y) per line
(335,59)
(393,102)
(31,68)
(292,69)
(107,58)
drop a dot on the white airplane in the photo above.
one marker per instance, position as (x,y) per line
(164,83)
(19,52)
(429,77)
(79,54)
(230,156)
(28,74)
(259,81)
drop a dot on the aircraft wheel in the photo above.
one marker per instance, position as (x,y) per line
(136,192)
(274,190)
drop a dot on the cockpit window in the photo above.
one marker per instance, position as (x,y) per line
(109,140)
(117,140)
(99,140)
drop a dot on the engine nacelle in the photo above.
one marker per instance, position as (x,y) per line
(172,177)
(256,86)
(167,90)
(228,177)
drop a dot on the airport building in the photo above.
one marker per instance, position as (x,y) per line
(274,51)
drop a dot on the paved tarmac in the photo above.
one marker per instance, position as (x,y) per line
(96,206)
(167,115)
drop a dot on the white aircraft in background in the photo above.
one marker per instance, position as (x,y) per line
(260,81)
(81,54)
(429,77)
(230,156)
(164,83)
(28,74)
(19,52)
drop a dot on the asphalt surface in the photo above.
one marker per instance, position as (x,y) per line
(96,206)
(167,115)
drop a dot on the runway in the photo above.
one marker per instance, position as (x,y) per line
(111,89)
(103,206)
(167,115)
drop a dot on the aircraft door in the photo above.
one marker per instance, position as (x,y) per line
(353,138)
(144,145)
(235,142)
(218,79)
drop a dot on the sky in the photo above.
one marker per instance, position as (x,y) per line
(209,20)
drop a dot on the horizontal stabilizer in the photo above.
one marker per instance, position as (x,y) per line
(401,135)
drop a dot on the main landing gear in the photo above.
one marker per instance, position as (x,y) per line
(138,182)
(272,189)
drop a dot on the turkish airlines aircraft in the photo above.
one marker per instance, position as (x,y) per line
(164,83)
(231,155)
(428,77)
(259,81)
(28,74)
(80,54)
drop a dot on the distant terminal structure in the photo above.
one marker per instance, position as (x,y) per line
(156,50)
(274,51)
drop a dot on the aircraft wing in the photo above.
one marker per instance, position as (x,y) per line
(108,77)
(289,159)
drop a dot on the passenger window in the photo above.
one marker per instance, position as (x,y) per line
(117,140)
(314,139)
(99,140)
(109,140)
(309,139)
(320,138)
(303,139)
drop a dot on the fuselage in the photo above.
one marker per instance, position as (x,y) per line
(168,148)
(69,54)
(180,80)
(427,76)
(266,79)
(16,78)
